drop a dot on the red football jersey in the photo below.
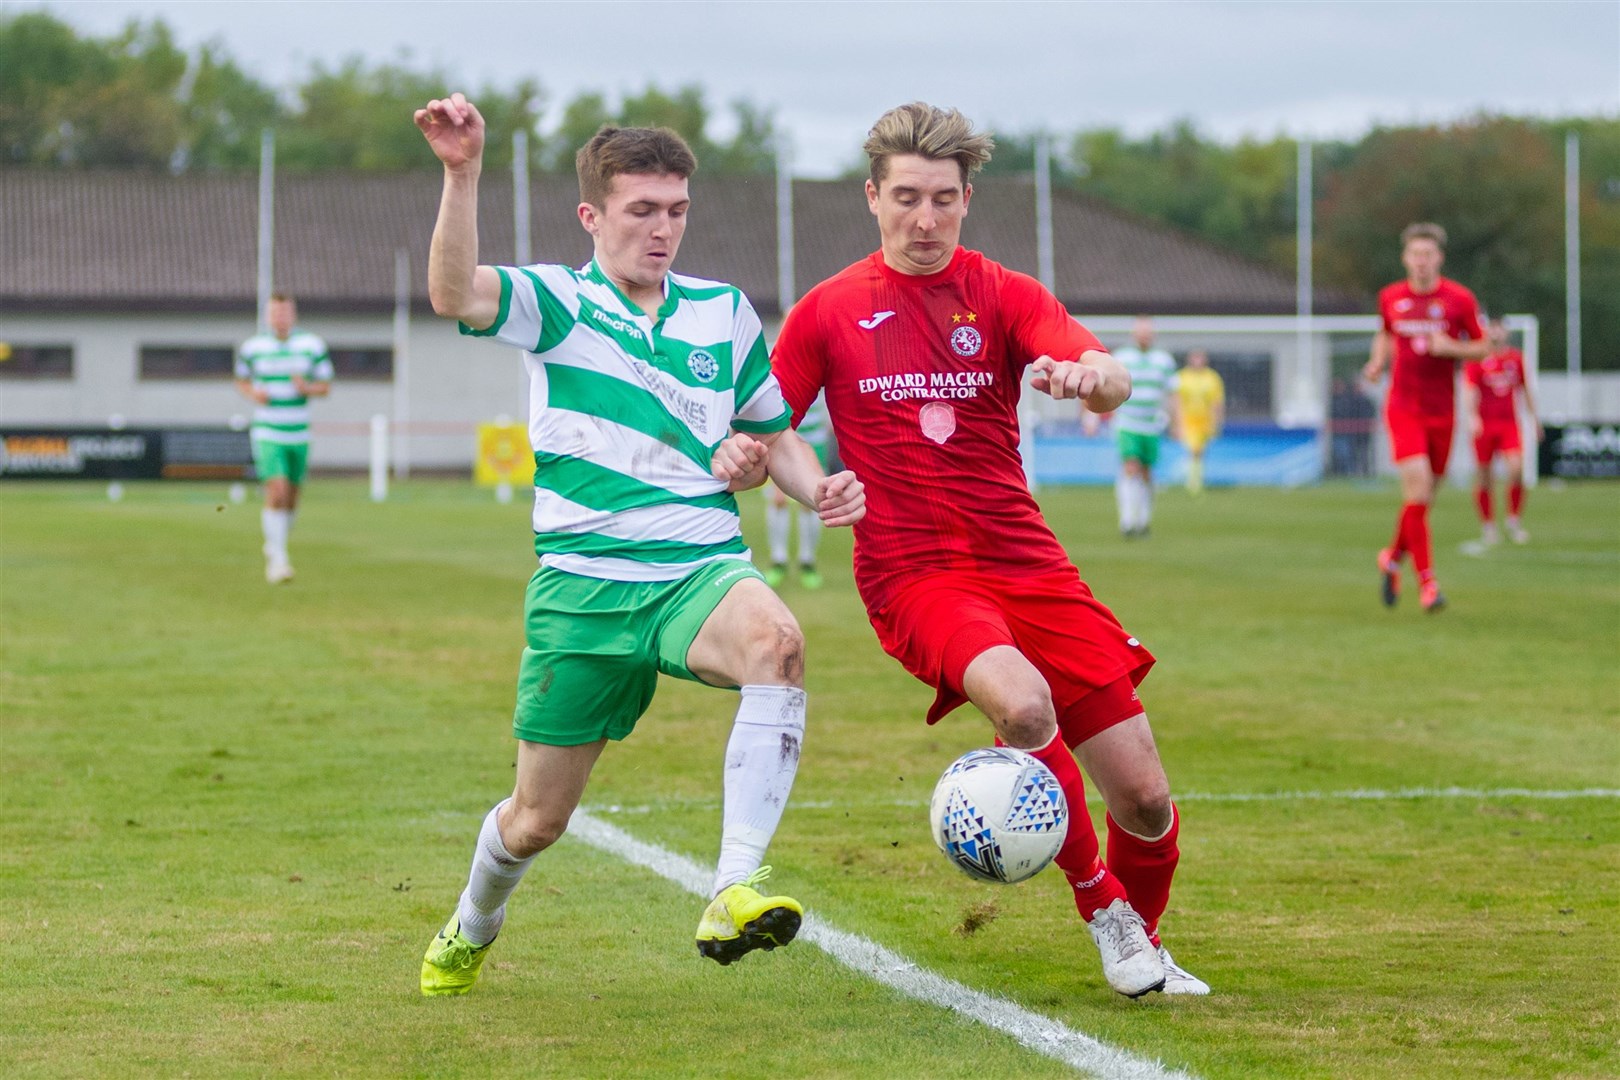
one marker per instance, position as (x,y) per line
(922,376)
(1496,378)
(1420,383)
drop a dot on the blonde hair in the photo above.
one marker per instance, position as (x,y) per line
(636,151)
(929,132)
(1424,230)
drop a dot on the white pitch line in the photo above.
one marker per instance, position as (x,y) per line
(1040,1033)
(1351,795)
(1400,793)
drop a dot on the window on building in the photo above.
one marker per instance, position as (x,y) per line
(187,361)
(362,363)
(36,361)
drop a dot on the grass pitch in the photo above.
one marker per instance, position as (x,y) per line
(235,814)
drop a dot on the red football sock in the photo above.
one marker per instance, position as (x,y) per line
(1397,546)
(1515,499)
(1482,498)
(1415,530)
(1094,885)
(1145,868)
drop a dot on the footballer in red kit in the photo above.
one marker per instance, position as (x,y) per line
(1491,388)
(921,350)
(1429,325)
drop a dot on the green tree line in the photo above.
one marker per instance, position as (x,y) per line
(138,100)
(1495,182)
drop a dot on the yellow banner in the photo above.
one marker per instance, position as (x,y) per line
(504,456)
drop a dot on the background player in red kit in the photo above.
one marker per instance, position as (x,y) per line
(921,349)
(1489,389)
(1429,324)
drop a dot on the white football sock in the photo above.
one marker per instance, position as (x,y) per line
(762,757)
(809,536)
(1144,513)
(495,873)
(776,531)
(1122,499)
(275,525)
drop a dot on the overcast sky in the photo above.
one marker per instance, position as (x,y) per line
(1314,67)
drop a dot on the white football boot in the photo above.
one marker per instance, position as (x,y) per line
(1130,962)
(1177,979)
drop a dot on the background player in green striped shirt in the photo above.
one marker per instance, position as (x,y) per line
(636,377)
(1139,424)
(280,371)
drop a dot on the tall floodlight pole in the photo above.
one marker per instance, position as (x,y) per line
(520,197)
(267,223)
(1045,271)
(786,287)
(402,363)
(1045,260)
(1306,394)
(1572,266)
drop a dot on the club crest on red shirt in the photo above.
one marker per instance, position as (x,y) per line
(937,420)
(966,342)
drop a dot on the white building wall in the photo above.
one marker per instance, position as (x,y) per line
(455,382)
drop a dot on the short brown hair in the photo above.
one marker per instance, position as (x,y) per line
(1424,230)
(930,132)
(638,150)
(280,297)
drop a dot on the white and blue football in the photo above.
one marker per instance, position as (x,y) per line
(999,815)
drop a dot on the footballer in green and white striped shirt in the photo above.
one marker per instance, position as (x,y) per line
(1138,425)
(651,401)
(280,371)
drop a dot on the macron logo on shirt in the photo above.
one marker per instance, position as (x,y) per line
(875,321)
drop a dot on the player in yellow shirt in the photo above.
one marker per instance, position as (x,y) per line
(1202,399)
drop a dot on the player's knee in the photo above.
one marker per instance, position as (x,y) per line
(532,831)
(1027,720)
(1144,806)
(778,650)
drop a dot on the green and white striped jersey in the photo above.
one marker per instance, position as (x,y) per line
(625,412)
(1151,374)
(270,363)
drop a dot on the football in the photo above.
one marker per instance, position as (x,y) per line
(999,815)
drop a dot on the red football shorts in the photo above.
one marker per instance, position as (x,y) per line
(1416,435)
(1498,438)
(937,625)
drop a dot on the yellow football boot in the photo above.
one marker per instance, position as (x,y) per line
(452,962)
(740,920)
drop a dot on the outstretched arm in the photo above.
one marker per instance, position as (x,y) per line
(1458,349)
(458,287)
(744,460)
(1377,357)
(1470,407)
(1530,404)
(1097,379)
(246,388)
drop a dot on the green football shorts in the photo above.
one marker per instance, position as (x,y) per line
(1137,447)
(596,647)
(288,461)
